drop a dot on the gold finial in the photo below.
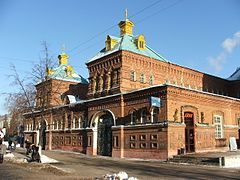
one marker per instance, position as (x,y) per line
(126,13)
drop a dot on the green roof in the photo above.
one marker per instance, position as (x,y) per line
(60,73)
(126,42)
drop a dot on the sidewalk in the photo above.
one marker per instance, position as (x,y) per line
(80,166)
(71,163)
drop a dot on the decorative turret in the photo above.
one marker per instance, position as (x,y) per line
(110,43)
(126,27)
(140,42)
(63,58)
(64,71)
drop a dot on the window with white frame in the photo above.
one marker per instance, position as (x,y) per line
(80,122)
(218,126)
(151,80)
(133,76)
(154,115)
(133,116)
(74,122)
(142,78)
(144,116)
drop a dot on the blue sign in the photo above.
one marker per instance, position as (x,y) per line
(155,101)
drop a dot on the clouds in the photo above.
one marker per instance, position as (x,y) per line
(228,46)
(218,61)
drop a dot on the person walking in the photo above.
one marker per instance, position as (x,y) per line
(2,146)
(2,151)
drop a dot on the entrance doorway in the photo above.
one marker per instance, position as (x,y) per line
(104,135)
(189,132)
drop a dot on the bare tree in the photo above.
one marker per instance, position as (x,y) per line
(39,69)
(23,100)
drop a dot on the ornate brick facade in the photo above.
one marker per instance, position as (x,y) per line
(115,115)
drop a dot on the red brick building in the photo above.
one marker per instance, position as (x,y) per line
(136,104)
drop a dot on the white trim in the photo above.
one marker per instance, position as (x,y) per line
(230,126)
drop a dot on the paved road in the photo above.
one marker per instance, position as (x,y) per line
(79,166)
(89,167)
(16,171)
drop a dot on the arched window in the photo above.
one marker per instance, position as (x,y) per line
(154,115)
(144,116)
(142,78)
(57,126)
(53,125)
(151,80)
(81,122)
(78,122)
(133,116)
(133,76)
(74,122)
(69,122)
(218,126)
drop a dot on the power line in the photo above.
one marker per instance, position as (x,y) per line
(111,27)
(161,10)
(103,32)
(17,59)
(151,5)
(88,47)
(138,22)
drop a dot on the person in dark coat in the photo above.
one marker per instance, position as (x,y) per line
(1,151)
(9,144)
(35,154)
(27,146)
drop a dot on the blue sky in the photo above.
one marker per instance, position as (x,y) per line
(203,35)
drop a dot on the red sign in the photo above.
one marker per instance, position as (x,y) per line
(188,115)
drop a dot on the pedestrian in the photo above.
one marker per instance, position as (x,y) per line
(35,153)
(1,134)
(1,151)
(9,143)
(27,146)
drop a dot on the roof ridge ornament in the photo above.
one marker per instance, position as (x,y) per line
(126,26)
(126,14)
(63,48)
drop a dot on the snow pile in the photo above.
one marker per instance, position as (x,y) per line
(119,176)
(9,155)
(45,159)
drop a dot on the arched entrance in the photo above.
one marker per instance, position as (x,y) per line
(102,123)
(189,132)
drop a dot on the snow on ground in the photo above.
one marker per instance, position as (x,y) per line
(45,159)
(119,176)
(9,155)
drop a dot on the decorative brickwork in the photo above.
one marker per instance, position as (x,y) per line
(114,116)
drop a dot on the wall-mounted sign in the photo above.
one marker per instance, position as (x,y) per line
(188,115)
(155,101)
(233,144)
